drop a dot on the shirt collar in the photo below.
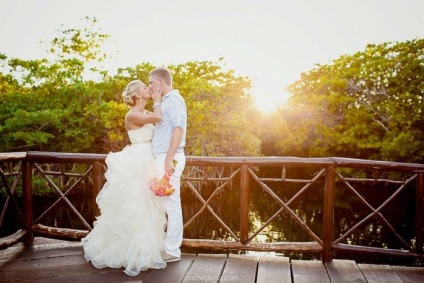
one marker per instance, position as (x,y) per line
(172,92)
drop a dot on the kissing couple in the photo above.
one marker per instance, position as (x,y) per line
(137,229)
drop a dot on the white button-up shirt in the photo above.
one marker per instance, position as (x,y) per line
(174,114)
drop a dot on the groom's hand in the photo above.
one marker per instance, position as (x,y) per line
(169,168)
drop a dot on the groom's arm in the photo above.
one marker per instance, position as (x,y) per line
(178,121)
(176,138)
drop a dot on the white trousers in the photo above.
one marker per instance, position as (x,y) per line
(172,204)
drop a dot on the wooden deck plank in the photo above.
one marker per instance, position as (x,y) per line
(67,273)
(33,273)
(341,270)
(240,268)
(206,268)
(306,271)
(36,254)
(60,262)
(410,273)
(46,267)
(69,265)
(375,273)
(174,272)
(101,276)
(273,269)
(46,262)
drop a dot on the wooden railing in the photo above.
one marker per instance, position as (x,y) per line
(325,178)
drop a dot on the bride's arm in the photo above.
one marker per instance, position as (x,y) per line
(156,115)
(139,118)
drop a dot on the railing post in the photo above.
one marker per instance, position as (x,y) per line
(97,186)
(328,221)
(419,214)
(27,199)
(244,204)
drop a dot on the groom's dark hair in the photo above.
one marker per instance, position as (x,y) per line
(163,73)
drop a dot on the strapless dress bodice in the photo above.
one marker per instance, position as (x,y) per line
(141,135)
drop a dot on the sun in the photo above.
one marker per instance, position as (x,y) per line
(267,95)
(267,101)
(265,104)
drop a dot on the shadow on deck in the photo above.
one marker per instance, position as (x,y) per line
(50,260)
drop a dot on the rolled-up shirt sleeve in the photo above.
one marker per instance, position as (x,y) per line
(178,121)
(179,117)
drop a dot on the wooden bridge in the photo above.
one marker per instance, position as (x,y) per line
(53,261)
(65,173)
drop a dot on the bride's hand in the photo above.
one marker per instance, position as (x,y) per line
(156,95)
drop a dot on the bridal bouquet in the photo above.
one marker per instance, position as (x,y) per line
(161,186)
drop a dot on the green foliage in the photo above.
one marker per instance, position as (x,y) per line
(367,105)
(47,105)
(83,45)
(218,123)
(115,137)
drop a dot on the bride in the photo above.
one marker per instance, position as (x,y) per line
(129,233)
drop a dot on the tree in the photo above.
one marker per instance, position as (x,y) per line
(218,104)
(50,106)
(45,101)
(367,105)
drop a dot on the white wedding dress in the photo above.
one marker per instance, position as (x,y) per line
(129,233)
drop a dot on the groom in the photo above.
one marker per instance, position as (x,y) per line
(168,146)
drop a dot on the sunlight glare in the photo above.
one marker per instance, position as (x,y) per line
(265,104)
(268,101)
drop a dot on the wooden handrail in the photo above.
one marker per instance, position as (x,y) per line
(244,169)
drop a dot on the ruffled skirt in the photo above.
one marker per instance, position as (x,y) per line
(129,233)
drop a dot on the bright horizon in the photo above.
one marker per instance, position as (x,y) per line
(270,41)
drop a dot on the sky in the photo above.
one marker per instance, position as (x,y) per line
(270,41)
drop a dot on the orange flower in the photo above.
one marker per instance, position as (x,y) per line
(161,187)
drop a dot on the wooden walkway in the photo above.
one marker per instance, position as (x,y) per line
(60,261)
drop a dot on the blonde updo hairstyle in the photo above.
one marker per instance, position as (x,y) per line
(128,95)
